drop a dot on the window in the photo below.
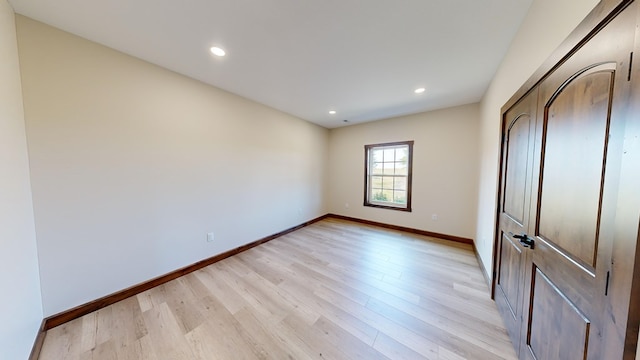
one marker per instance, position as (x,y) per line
(388,175)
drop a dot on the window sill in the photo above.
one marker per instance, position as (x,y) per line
(405,209)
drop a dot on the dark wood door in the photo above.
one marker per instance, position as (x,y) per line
(555,255)
(515,204)
(566,281)
(562,292)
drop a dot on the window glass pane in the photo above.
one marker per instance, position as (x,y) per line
(376,169)
(400,197)
(389,155)
(376,182)
(387,182)
(402,154)
(388,169)
(376,155)
(378,195)
(388,195)
(400,183)
(401,169)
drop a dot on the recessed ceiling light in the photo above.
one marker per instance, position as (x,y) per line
(217,51)
(419,90)
(332,112)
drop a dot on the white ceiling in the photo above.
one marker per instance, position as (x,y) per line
(362,58)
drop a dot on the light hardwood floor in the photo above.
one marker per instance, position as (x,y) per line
(332,290)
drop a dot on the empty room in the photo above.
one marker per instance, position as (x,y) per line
(419,179)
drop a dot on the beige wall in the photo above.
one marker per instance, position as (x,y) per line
(20,302)
(132,165)
(546,25)
(444,169)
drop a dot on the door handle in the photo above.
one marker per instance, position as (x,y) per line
(525,240)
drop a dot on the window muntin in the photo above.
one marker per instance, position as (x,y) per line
(388,175)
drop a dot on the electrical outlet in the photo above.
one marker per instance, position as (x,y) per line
(346,205)
(434,217)
(210,237)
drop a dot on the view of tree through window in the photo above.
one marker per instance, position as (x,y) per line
(388,175)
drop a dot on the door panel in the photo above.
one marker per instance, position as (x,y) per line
(518,139)
(510,277)
(519,127)
(575,133)
(554,316)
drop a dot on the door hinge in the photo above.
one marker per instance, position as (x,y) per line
(630,66)
(606,287)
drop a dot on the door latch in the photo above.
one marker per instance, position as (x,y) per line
(525,240)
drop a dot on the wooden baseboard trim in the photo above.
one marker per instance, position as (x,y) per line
(37,343)
(81,310)
(405,229)
(482,268)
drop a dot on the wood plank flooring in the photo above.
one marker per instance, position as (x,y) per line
(332,290)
